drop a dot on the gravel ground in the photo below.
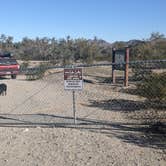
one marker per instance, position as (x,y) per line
(37,128)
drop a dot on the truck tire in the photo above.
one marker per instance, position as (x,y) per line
(13,76)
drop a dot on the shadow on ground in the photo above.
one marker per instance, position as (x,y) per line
(107,80)
(118,105)
(125,106)
(152,134)
(135,133)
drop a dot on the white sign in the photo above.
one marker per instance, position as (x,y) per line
(73,79)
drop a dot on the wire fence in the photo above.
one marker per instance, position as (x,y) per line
(133,64)
(38,97)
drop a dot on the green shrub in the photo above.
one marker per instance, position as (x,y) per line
(153,87)
(140,71)
(24,65)
(36,73)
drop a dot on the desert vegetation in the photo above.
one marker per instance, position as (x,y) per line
(68,50)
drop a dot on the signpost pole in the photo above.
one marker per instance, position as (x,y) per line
(73,81)
(74,107)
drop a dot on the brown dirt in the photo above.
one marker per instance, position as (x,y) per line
(37,128)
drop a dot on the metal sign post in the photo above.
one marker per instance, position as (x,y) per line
(73,81)
(74,107)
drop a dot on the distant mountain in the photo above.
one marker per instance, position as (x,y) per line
(100,42)
(132,43)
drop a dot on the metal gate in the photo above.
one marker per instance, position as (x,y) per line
(37,97)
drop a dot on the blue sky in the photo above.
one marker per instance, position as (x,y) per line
(110,20)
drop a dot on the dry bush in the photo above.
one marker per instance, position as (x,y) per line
(153,87)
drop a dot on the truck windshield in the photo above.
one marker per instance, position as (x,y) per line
(8,62)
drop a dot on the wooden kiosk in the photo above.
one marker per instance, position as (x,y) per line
(120,60)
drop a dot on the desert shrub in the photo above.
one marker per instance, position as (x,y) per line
(24,65)
(153,87)
(36,73)
(140,71)
(41,70)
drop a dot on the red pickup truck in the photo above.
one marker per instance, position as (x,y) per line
(9,66)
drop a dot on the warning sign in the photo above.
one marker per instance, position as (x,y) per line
(73,79)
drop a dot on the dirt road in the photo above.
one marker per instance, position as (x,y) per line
(37,128)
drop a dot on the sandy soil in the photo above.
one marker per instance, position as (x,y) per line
(37,129)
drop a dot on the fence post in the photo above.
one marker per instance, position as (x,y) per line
(126,80)
(113,69)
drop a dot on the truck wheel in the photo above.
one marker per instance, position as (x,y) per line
(13,76)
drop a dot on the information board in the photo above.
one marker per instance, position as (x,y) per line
(119,59)
(73,79)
